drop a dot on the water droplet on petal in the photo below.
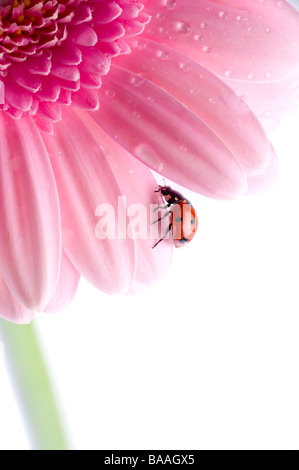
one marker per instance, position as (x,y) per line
(163,30)
(164,55)
(223,14)
(137,81)
(183,27)
(141,45)
(184,67)
(110,94)
(171,4)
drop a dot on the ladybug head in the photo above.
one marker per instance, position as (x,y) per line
(164,190)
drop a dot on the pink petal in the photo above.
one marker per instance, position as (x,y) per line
(30,239)
(269,101)
(228,41)
(137,184)
(278,14)
(106,12)
(85,180)
(17,96)
(265,180)
(166,136)
(86,99)
(206,96)
(40,65)
(83,35)
(66,287)
(10,309)
(24,78)
(49,110)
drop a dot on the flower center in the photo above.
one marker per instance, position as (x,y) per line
(54,52)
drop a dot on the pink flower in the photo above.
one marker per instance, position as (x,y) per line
(94,94)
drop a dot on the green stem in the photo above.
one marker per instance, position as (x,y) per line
(33,387)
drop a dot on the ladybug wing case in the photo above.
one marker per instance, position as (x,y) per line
(184,223)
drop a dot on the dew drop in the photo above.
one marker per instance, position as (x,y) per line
(212,101)
(204,26)
(198,37)
(137,82)
(164,55)
(207,49)
(161,167)
(136,115)
(110,94)
(228,73)
(239,18)
(171,4)
(160,16)
(268,75)
(141,45)
(183,27)
(183,148)
(163,30)
(223,14)
(184,67)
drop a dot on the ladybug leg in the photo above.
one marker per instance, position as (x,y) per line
(160,218)
(168,230)
(161,207)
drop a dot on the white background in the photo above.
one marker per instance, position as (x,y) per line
(208,358)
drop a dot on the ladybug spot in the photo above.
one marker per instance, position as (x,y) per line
(192,221)
(183,240)
(178,219)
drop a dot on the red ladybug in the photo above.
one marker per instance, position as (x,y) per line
(183,218)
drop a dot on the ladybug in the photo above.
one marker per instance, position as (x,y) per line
(182,215)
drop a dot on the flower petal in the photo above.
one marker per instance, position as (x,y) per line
(66,287)
(137,184)
(265,180)
(85,180)
(279,14)
(166,136)
(206,96)
(228,41)
(10,309)
(30,236)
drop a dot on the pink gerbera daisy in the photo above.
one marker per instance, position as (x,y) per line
(96,94)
